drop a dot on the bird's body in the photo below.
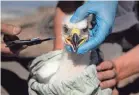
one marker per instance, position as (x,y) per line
(64,72)
(65,65)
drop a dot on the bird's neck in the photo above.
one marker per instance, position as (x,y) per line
(76,58)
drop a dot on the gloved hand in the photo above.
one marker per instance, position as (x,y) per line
(105,14)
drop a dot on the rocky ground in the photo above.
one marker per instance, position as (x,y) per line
(14,70)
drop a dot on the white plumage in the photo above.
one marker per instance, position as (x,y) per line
(67,73)
(67,64)
(80,25)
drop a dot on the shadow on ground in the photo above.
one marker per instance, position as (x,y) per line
(22,61)
(13,84)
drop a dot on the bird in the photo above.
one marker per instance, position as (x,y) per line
(67,64)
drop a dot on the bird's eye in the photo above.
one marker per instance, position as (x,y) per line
(66,29)
(85,30)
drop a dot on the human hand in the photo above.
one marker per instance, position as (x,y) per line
(105,14)
(107,74)
(8,30)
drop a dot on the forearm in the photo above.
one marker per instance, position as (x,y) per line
(128,64)
(58,28)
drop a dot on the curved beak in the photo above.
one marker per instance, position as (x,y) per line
(74,40)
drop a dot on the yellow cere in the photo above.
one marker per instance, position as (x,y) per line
(75,30)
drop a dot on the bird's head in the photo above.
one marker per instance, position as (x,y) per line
(74,34)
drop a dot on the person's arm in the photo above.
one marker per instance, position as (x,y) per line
(110,72)
(58,28)
(128,64)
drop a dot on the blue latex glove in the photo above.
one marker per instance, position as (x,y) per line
(105,14)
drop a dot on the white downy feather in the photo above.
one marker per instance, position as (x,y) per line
(68,65)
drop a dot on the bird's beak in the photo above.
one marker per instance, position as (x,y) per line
(75,37)
(74,40)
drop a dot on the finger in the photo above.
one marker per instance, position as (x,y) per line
(10,29)
(96,36)
(108,83)
(115,92)
(106,65)
(79,14)
(5,49)
(106,75)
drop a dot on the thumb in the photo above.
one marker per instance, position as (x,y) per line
(10,29)
(80,14)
